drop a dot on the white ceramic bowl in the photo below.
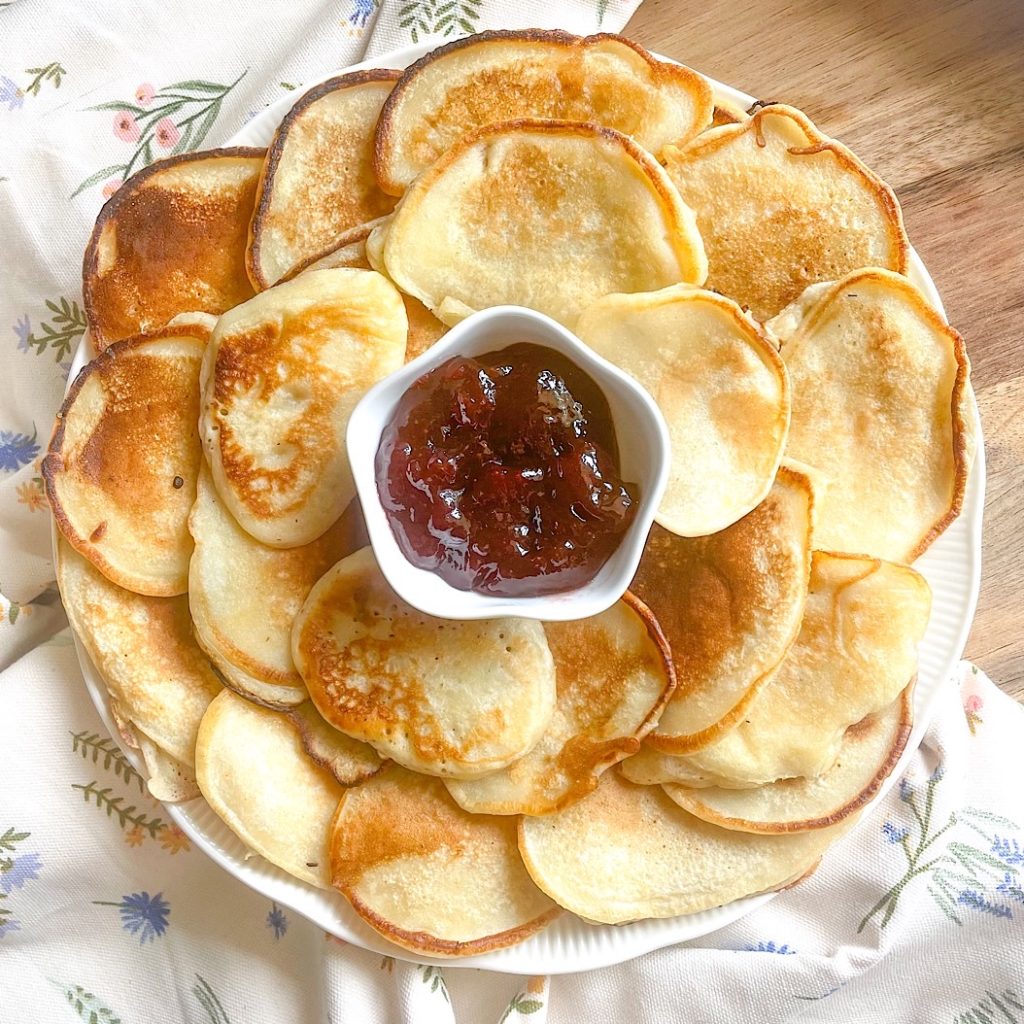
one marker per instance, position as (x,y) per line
(643,458)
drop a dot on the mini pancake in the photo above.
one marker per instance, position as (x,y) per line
(546,214)
(348,760)
(613,673)
(499,76)
(121,470)
(257,778)
(318,180)
(722,387)
(429,876)
(780,206)
(729,605)
(438,696)
(244,595)
(424,327)
(171,239)
(627,852)
(281,376)
(881,406)
(856,651)
(159,680)
(867,756)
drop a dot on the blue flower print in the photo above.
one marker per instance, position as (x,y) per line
(142,914)
(1008,850)
(22,331)
(16,450)
(11,93)
(906,791)
(770,947)
(1011,887)
(9,924)
(22,869)
(277,920)
(977,901)
(894,834)
(361,12)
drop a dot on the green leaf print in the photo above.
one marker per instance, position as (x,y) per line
(95,746)
(10,839)
(524,1004)
(433,977)
(52,73)
(439,17)
(112,804)
(209,1002)
(65,327)
(1007,1006)
(88,1006)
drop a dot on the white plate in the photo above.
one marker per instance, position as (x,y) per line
(952,567)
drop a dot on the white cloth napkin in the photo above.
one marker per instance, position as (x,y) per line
(107,914)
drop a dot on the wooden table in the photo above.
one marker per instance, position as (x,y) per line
(930,94)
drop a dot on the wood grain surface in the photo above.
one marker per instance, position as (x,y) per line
(929,93)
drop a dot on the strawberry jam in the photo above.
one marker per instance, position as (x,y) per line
(501,473)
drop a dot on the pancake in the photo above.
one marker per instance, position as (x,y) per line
(121,470)
(627,852)
(281,376)
(722,387)
(500,76)
(868,754)
(160,682)
(729,605)
(546,214)
(244,595)
(438,696)
(348,760)
(780,206)
(258,780)
(171,239)
(318,180)
(424,327)
(881,407)
(428,876)
(613,674)
(856,651)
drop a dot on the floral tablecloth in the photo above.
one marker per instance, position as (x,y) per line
(106,912)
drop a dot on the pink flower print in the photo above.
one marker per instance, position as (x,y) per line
(126,128)
(972,706)
(111,187)
(144,94)
(167,133)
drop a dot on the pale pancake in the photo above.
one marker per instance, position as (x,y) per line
(244,595)
(613,673)
(123,460)
(318,181)
(722,387)
(171,239)
(780,206)
(348,760)
(856,651)
(868,754)
(545,214)
(424,327)
(427,875)
(500,76)
(436,695)
(169,779)
(158,678)
(627,852)
(729,605)
(257,778)
(281,376)
(881,407)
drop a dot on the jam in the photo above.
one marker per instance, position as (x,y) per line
(501,473)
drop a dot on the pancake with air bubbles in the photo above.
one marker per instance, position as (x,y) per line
(781,206)
(729,606)
(159,681)
(171,239)
(257,778)
(869,752)
(318,181)
(499,76)
(722,387)
(546,214)
(427,875)
(613,673)
(882,407)
(121,470)
(439,696)
(281,376)
(244,595)
(627,852)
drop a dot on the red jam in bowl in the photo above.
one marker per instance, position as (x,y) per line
(501,474)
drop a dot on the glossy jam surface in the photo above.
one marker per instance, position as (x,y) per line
(501,473)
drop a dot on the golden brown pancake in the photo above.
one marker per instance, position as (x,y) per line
(171,239)
(500,76)
(429,876)
(121,471)
(318,182)
(781,206)
(348,760)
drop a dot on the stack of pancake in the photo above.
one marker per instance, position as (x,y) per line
(461,783)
